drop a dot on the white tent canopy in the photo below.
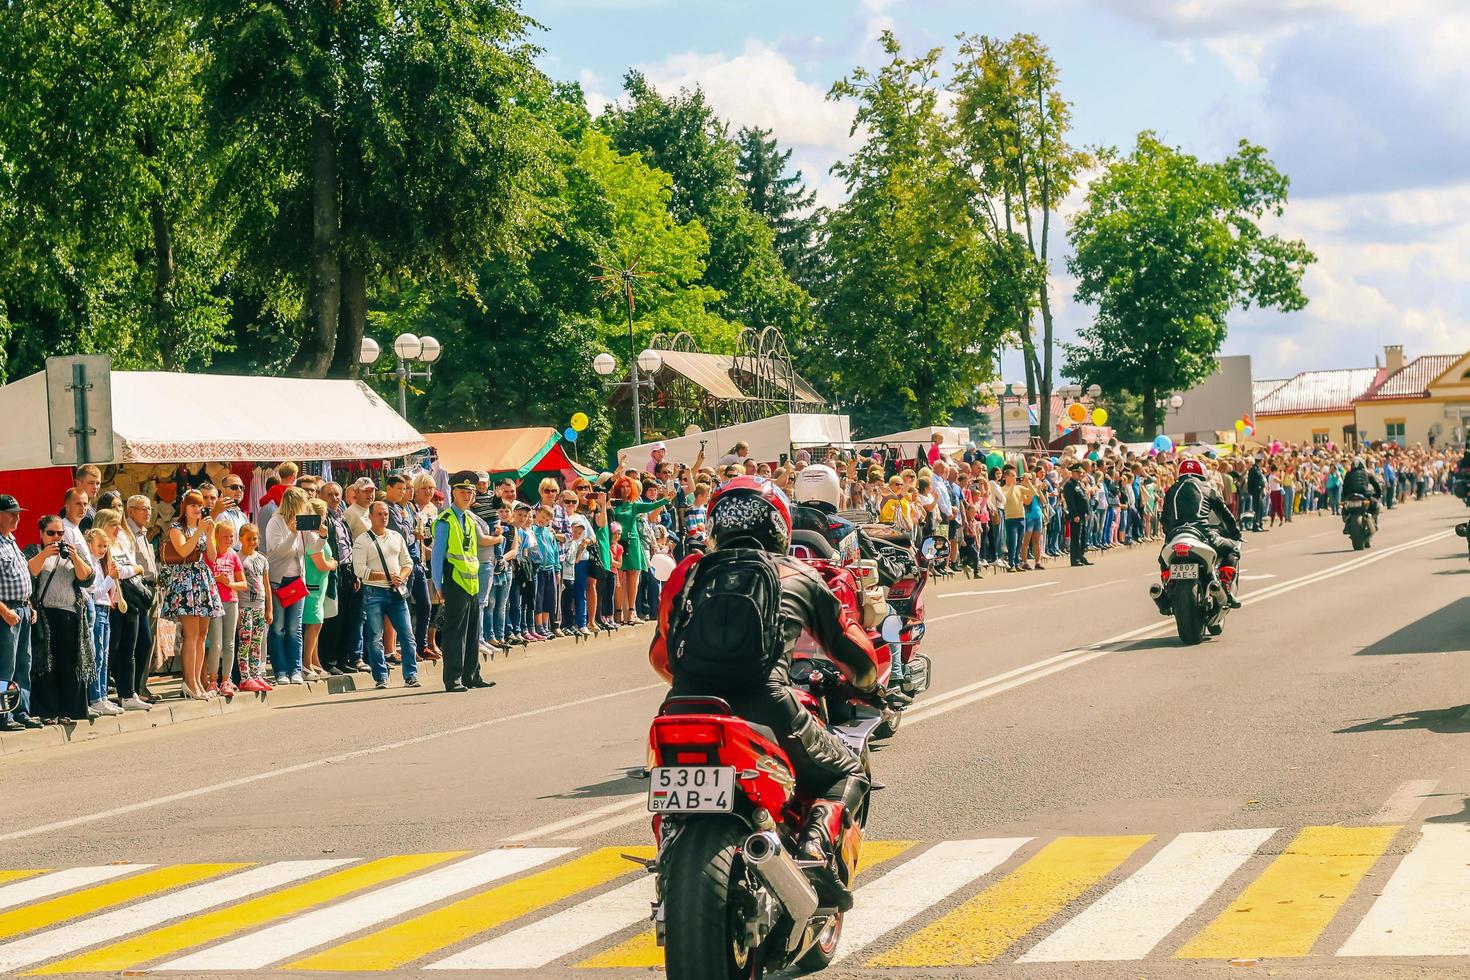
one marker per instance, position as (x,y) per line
(956,438)
(168,417)
(768,439)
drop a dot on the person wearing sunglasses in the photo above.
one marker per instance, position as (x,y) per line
(226,509)
(60,692)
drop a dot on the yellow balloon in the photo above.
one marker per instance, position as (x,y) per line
(1240,425)
(579,421)
(1077,412)
(1099,416)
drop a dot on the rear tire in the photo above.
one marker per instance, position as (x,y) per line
(702,876)
(1188,617)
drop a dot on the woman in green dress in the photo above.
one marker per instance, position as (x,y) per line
(626,509)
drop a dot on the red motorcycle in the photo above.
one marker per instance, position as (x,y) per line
(734,899)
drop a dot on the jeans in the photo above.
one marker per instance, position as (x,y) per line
(1054,533)
(514,622)
(219,647)
(575,599)
(1014,528)
(15,658)
(284,642)
(421,606)
(499,605)
(1390,492)
(1288,499)
(378,602)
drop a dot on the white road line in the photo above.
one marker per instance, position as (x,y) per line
(270,945)
(534,946)
(62,881)
(1086,588)
(622,803)
(1404,802)
(926,712)
(1423,910)
(1137,915)
(1257,578)
(967,612)
(640,814)
(332,760)
(985,592)
(920,884)
(145,915)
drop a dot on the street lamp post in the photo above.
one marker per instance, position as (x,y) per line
(1176,402)
(408,349)
(647,362)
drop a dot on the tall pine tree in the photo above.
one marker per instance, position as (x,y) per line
(782,198)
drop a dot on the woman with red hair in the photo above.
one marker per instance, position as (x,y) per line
(626,509)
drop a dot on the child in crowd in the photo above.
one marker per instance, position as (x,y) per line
(622,603)
(696,529)
(254,611)
(548,565)
(105,594)
(229,575)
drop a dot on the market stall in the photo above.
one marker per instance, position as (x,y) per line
(769,439)
(516,453)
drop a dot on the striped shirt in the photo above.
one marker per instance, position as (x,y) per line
(15,576)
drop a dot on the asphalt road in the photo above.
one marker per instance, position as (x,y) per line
(1076,796)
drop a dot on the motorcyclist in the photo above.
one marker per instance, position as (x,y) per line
(747,513)
(1191,503)
(818,493)
(1361,482)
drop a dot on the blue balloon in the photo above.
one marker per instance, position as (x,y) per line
(570,435)
(1164,444)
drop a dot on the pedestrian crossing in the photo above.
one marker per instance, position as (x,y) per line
(1259,893)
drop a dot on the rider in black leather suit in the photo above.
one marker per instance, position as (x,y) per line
(1194,503)
(1362,482)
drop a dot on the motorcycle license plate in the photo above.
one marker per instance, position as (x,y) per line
(691,789)
(1183,571)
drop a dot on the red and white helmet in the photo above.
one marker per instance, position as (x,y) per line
(749,512)
(1191,467)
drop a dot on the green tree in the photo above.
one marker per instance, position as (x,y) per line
(106,243)
(682,136)
(364,141)
(909,326)
(1014,125)
(1166,246)
(781,196)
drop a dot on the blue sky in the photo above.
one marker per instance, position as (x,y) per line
(1360,101)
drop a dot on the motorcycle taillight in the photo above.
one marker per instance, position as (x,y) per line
(1181,549)
(693,733)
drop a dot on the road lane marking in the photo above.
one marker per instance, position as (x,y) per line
(1284,911)
(642,950)
(17,874)
(534,946)
(102,896)
(1088,588)
(1129,921)
(621,804)
(146,915)
(418,937)
(983,928)
(920,884)
(1423,909)
(985,592)
(279,942)
(968,612)
(200,930)
(33,888)
(1404,802)
(332,760)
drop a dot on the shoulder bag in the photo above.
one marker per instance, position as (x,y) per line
(402,589)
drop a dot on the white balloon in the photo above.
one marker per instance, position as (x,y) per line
(663,567)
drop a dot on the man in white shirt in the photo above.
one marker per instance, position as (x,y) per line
(359,498)
(382,564)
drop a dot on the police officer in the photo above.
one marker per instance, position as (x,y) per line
(1074,500)
(456,571)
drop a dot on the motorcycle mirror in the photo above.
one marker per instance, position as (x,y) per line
(929,550)
(891,629)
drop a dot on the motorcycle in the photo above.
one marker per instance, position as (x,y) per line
(1190,586)
(734,897)
(1463,530)
(1358,518)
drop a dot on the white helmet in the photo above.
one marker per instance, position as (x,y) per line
(818,485)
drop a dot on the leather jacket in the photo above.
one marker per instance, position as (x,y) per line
(806,604)
(1194,502)
(1362,482)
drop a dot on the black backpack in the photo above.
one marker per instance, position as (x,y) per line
(725,632)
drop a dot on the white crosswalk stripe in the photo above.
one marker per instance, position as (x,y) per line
(44,886)
(1133,918)
(1425,907)
(259,949)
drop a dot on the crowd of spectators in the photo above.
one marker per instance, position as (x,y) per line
(325,580)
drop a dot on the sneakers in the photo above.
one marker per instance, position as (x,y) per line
(296,678)
(104,707)
(381,685)
(136,703)
(412,682)
(252,686)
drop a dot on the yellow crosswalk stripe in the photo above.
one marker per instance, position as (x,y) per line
(211,926)
(416,938)
(1283,911)
(642,950)
(19,874)
(983,928)
(77,904)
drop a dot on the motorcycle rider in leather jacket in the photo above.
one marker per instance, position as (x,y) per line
(1362,482)
(1194,503)
(748,513)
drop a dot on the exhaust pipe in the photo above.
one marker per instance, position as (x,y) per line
(1161,599)
(771,863)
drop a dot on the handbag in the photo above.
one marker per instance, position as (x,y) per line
(402,590)
(137,592)
(291,592)
(170,555)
